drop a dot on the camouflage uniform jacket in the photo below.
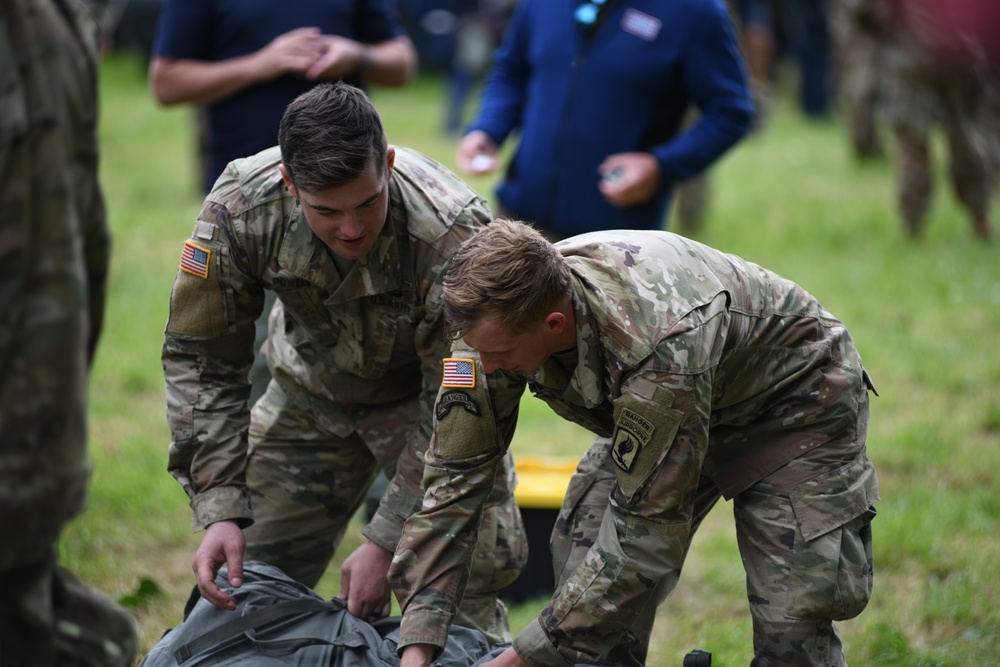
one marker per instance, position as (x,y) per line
(695,363)
(372,337)
(54,253)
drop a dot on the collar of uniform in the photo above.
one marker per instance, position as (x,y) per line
(588,378)
(305,256)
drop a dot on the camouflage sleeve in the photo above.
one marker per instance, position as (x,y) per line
(658,447)
(207,353)
(474,421)
(53,255)
(405,490)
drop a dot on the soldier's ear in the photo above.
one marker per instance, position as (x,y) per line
(555,322)
(288,181)
(390,160)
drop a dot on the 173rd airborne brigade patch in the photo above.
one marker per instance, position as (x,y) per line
(632,433)
(634,449)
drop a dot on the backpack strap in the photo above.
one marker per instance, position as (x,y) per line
(257,618)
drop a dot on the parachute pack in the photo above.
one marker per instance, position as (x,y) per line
(280,622)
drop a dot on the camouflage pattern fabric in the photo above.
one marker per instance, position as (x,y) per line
(705,377)
(861,75)
(356,362)
(925,93)
(54,250)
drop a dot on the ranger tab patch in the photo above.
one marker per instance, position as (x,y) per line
(459,373)
(450,399)
(632,433)
(194,259)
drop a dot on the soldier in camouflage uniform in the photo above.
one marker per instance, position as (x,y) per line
(705,377)
(354,237)
(926,91)
(54,250)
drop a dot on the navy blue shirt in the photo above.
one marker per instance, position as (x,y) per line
(575,100)
(214,30)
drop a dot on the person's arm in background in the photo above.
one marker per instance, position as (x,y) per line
(716,78)
(177,80)
(502,99)
(182,71)
(390,63)
(303,52)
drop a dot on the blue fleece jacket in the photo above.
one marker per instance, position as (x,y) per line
(572,100)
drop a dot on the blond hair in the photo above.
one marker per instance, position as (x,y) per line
(508,271)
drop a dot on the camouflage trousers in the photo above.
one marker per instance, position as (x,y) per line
(965,105)
(804,534)
(49,617)
(860,88)
(309,473)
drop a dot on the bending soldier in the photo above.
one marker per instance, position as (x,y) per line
(705,377)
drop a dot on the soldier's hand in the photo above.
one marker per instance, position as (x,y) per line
(223,543)
(417,655)
(509,658)
(364,582)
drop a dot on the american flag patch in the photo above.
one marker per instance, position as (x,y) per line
(459,373)
(194,259)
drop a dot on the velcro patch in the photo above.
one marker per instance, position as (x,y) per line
(456,397)
(194,259)
(459,372)
(632,432)
(644,433)
(467,431)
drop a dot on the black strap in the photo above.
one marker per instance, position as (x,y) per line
(255,619)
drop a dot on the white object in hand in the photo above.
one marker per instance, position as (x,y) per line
(482,162)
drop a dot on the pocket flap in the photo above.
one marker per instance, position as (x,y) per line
(831,500)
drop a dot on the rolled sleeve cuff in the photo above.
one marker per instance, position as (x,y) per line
(220,504)
(424,627)
(384,529)
(533,645)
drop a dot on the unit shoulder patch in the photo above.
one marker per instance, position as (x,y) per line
(632,433)
(644,432)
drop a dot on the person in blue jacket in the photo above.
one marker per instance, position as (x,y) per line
(597,93)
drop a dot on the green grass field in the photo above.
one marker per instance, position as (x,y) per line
(926,316)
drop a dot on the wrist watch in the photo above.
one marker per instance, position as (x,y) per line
(365,61)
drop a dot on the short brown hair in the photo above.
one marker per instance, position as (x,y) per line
(329,135)
(508,271)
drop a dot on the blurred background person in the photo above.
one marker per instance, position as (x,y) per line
(480,26)
(596,95)
(54,250)
(807,32)
(859,47)
(943,72)
(245,60)
(755,26)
